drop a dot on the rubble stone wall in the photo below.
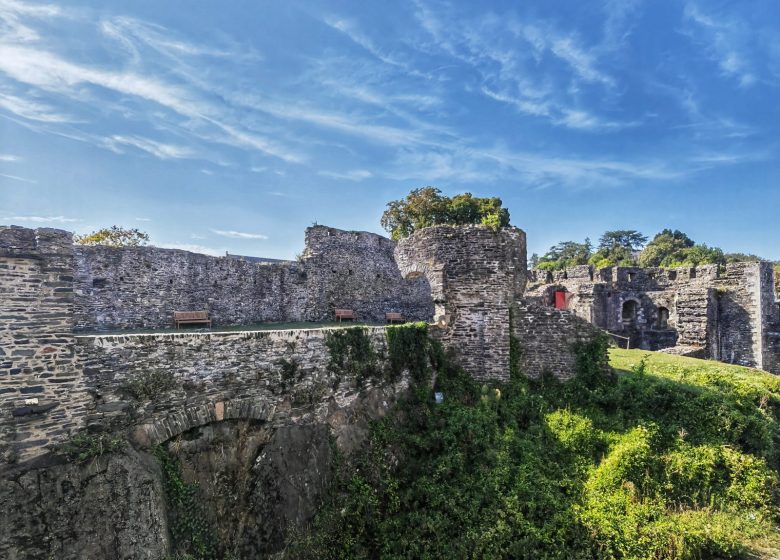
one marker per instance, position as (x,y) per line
(41,392)
(476,274)
(141,287)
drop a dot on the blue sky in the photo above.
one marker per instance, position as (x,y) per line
(234,125)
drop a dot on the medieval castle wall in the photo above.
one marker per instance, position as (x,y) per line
(140,287)
(730,315)
(478,278)
(55,294)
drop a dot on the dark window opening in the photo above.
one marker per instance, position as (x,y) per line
(99,282)
(693,273)
(672,275)
(663,318)
(631,276)
(629,312)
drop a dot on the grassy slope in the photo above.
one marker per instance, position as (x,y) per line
(673,458)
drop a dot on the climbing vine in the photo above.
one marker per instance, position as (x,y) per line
(409,349)
(191,534)
(351,353)
(592,361)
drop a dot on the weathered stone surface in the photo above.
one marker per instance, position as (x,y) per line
(731,315)
(475,274)
(111,507)
(141,287)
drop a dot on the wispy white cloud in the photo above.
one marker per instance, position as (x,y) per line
(32,110)
(12,15)
(239,234)
(581,61)
(143,219)
(42,69)
(353,175)
(40,219)
(525,75)
(725,41)
(9,157)
(207,171)
(17,178)
(157,149)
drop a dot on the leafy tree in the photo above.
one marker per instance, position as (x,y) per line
(566,254)
(427,207)
(114,236)
(628,239)
(618,248)
(666,248)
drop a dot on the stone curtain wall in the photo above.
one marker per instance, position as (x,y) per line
(140,287)
(547,338)
(357,270)
(475,275)
(261,375)
(41,393)
(728,315)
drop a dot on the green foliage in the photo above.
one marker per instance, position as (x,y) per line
(628,239)
(408,349)
(191,535)
(668,249)
(565,255)
(669,459)
(114,236)
(85,446)
(150,384)
(351,353)
(427,207)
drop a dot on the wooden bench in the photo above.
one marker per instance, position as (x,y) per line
(191,318)
(393,317)
(342,314)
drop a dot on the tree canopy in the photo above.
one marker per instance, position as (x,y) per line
(668,249)
(114,236)
(427,207)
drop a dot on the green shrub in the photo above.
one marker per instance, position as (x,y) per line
(85,446)
(149,385)
(648,464)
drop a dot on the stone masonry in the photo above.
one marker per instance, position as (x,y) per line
(55,294)
(141,287)
(730,315)
(42,396)
(475,274)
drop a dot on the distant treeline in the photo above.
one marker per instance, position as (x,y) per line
(668,249)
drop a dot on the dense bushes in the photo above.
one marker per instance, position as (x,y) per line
(670,459)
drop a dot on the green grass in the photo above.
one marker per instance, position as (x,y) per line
(670,458)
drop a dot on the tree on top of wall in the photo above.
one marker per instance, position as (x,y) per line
(618,248)
(565,255)
(114,236)
(427,207)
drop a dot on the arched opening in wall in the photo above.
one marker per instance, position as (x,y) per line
(629,312)
(663,318)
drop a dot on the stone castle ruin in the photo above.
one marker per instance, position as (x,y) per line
(71,353)
(67,344)
(730,315)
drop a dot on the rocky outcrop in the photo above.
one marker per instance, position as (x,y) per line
(109,507)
